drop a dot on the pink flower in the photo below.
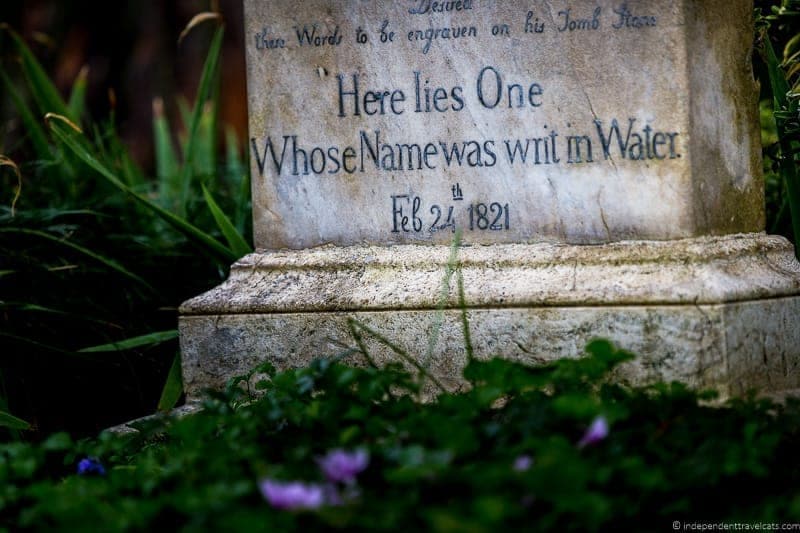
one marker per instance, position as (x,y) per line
(595,432)
(522,463)
(292,495)
(339,465)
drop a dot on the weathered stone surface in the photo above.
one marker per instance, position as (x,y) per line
(652,240)
(703,270)
(715,311)
(731,347)
(354,142)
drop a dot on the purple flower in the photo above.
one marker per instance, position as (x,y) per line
(523,463)
(595,432)
(292,495)
(89,466)
(339,465)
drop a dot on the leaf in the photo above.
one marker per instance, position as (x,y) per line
(7,162)
(117,156)
(197,20)
(77,98)
(173,387)
(207,81)
(239,176)
(102,259)
(234,166)
(789,53)
(37,344)
(356,326)
(444,292)
(185,111)
(787,163)
(234,238)
(30,307)
(166,158)
(57,442)
(75,142)
(31,125)
(49,116)
(134,342)
(205,147)
(462,302)
(43,90)
(36,308)
(10,421)
(133,174)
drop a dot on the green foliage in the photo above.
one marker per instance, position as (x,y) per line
(780,114)
(142,340)
(785,113)
(173,388)
(11,421)
(445,465)
(94,240)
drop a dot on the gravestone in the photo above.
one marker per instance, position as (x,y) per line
(599,160)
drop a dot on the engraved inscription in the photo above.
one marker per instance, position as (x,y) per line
(572,22)
(410,214)
(312,35)
(421,7)
(508,121)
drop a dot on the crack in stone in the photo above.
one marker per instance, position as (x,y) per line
(560,222)
(580,84)
(603,216)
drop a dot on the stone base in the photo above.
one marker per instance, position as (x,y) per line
(711,312)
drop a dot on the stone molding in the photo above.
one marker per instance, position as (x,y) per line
(705,270)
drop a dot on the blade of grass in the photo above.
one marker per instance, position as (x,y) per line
(205,160)
(207,81)
(48,214)
(362,348)
(185,111)
(6,162)
(12,422)
(22,306)
(462,305)
(31,125)
(173,387)
(452,261)
(109,149)
(242,207)
(85,251)
(75,142)
(32,342)
(396,349)
(40,346)
(789,53)
(238,176)
(133,174)
(206,148)
(234,238)
(77,97)
(134,342)
(36,308)
(213,125)
(15,433)
(166,158)
(197,20)
(786,163)
(43,90)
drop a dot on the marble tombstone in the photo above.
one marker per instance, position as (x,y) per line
(599,159)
